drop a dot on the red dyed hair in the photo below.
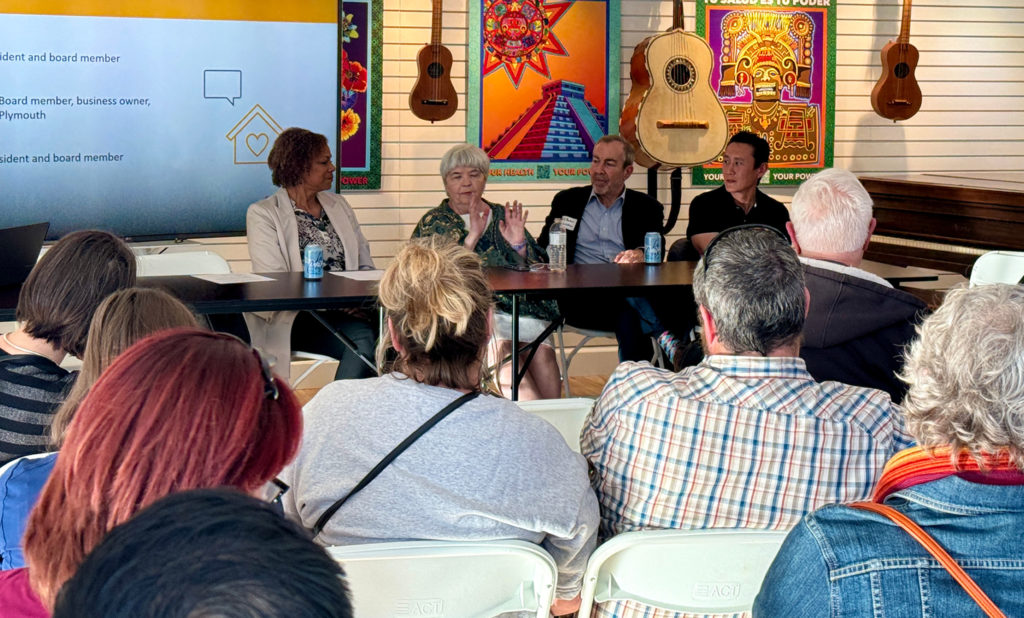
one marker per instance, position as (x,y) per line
(179,410)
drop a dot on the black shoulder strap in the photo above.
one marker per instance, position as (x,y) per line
(395,452)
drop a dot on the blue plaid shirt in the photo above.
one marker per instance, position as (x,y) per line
(735,442)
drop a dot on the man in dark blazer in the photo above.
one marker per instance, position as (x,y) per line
(606,222)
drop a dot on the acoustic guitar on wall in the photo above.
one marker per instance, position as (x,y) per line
(672,116)
(897,96)
(433,96)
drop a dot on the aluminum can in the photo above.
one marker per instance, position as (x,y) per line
(652,248)
(313,262)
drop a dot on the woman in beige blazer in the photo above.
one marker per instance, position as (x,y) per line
(304,211)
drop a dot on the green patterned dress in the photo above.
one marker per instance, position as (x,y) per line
(493,249)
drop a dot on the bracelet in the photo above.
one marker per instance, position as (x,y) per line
(519,247)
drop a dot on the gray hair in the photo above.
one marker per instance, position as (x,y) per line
(753,287)
(627,148)
(465,155)
(831,212)
(966,373)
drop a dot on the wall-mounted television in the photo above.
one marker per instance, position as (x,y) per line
(154,120)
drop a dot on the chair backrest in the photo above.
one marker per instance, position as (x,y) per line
(183,263)
(998,267)
(567,415)
(699,571)
(448,578)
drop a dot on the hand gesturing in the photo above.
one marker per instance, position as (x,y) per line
(513,228)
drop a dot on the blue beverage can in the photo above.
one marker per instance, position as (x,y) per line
(313,262)
(652,248)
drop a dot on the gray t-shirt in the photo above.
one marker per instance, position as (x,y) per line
(488,471)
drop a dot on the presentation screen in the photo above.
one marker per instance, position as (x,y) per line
(155,119)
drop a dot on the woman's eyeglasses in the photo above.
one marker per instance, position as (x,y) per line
(282,489)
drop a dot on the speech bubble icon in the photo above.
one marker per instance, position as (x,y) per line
(222,84)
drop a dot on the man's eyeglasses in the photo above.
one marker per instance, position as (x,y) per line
(732,230)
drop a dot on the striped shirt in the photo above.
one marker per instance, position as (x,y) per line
(31,389)
(735,442)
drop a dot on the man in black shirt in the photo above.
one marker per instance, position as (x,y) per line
(738,200)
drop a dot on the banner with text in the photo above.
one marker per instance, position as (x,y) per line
(774,73)
(359,93)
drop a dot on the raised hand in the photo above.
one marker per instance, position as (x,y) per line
(478,212)
(513,228)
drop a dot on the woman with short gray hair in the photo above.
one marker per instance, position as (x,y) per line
(963,484)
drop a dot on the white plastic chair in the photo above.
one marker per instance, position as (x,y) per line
(567,415)
(658,360)
(998,267)
(698,571)
(181,263)
(448,578)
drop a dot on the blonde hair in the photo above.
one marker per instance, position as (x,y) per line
(121,319)
(438,301)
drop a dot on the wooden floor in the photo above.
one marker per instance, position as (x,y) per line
(581,386)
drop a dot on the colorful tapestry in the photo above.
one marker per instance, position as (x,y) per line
(543,84)
(775,75)
(359,93)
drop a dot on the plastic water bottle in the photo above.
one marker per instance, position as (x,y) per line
(556,246)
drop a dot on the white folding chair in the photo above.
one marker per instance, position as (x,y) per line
(567,415)
(699,571)
(448,578)
(181,263)
(998,267)
(658,359)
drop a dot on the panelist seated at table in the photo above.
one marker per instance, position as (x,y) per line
(738,200)
(857,325)
(606,222)
(304,211)
(55,305)
(486,471)
(498,235)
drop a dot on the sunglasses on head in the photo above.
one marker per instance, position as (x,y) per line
(266,361)
(732,230)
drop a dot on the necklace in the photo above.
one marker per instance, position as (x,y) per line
(18,347)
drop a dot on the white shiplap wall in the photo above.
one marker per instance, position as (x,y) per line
(971,74)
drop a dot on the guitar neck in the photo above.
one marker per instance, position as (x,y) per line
(435,23)
(678,21)
(905,23)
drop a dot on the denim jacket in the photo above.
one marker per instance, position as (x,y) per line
(840,561)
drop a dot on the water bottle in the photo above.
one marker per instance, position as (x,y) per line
(556,246)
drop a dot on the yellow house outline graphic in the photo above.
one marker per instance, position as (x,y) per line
(253,144)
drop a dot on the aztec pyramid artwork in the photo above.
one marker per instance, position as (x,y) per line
(559,126)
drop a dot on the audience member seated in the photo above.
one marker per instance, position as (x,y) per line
(605,222)
(122,319)
(304,211)
(206,552)
(963,484)
(486,471)
(181,409)
(857,324)
(498,235)
(54,308)
(747,438)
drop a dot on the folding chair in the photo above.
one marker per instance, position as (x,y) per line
(998,267)
(448,578)
(567,415)
(698,571)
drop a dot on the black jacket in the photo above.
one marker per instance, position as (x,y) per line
(640,214)
(856,330)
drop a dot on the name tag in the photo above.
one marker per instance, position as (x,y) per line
(569,223)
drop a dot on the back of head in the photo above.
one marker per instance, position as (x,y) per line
(438,300)
(752,283)
(123,318)
(831,212)
(966,373)
(178,410)
(68,283)
(761,149)
(206,553)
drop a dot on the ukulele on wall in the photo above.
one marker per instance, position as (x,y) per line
(672,115)
(897,96)
(433,96)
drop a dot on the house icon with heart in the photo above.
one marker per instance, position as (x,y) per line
(253,136)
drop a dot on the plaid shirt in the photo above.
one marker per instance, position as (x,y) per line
(735,442)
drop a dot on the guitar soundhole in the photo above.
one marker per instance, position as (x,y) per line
(901,70)
(435,70)
(680,74)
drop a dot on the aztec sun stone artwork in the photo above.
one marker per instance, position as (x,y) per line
(517,34)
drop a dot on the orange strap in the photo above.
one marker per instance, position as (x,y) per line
(938,552)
